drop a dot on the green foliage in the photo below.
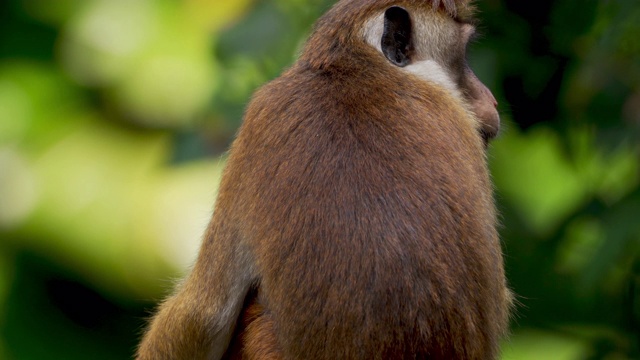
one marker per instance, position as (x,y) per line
(114,116)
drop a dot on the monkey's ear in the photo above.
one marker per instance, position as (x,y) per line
(397,39)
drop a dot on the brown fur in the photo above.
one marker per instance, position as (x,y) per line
(357,205)
(254,337)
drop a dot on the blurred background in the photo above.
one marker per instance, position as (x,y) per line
(115,116)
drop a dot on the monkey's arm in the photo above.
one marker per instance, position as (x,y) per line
(198,321)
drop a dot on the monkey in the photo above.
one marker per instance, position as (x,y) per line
(355,216)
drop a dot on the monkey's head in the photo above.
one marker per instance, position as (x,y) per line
(425,38)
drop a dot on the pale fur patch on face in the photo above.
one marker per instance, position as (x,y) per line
(373,30)
(430,70)
(425,65)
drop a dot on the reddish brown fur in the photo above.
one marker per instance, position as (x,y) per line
(357,203)
(254,338)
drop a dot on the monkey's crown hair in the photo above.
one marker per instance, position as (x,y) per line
(452,6)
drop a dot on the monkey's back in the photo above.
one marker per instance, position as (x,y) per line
(374,208)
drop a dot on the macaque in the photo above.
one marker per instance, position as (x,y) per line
(355,218)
